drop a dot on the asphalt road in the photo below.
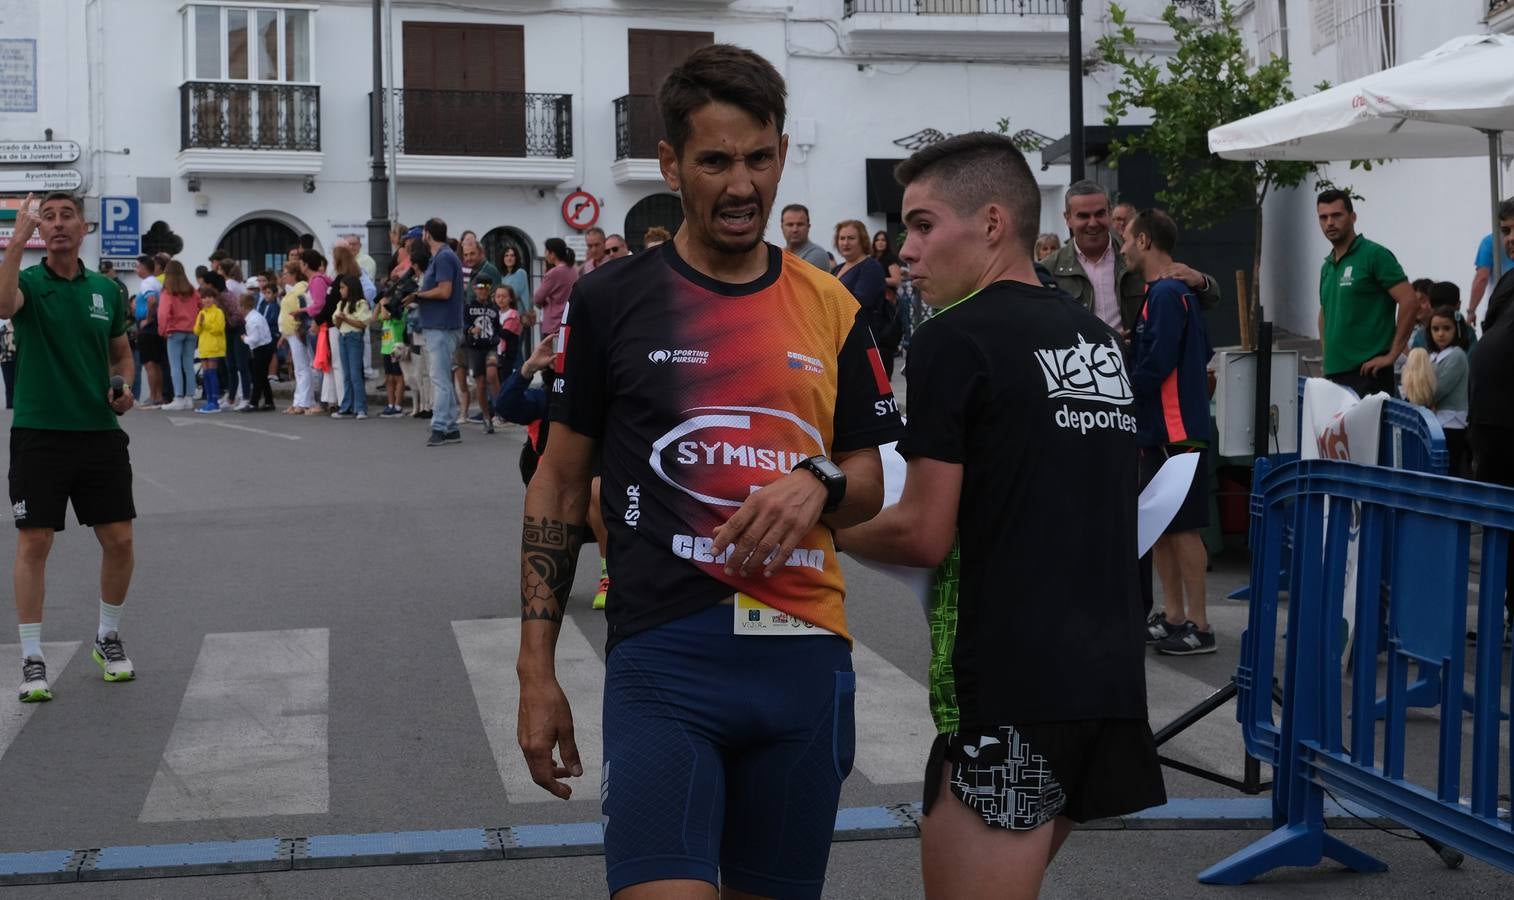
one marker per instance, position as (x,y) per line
(321,624)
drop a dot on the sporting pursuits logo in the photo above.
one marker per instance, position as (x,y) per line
(690,357)
(1087,371)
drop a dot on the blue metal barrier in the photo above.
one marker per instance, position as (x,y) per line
(1428,519)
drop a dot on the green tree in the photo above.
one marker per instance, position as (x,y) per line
(1208,81)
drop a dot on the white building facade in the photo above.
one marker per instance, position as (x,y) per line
(243,124)
(1430,213)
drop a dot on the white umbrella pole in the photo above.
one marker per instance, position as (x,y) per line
(1494,152)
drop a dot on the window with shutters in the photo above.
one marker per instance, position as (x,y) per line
(1271,30)
(651,55)
(1367,35)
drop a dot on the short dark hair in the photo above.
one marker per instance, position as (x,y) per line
(1506,209)
(146,260)
(420,254)
(1422,285)
(436,229)
(795,207)
(106,266)
(307,241)
(1158,227)
(720,73)
(977,168)
(1335,195)
(214,279)
(1084,188)
(594,230)
(1445,293)
(312,258)
(557,247)
(70,196)
(218,255)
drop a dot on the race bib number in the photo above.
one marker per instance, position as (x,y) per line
(753,617)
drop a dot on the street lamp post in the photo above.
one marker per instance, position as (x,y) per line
(378,181)
(1075,86)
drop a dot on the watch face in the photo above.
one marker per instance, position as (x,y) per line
(828,468)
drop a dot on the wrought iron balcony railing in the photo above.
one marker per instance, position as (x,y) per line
(958,7)
(226,115)
(638,127)
(484,123)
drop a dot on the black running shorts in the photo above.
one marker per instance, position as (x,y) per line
(1019,777)
(50,469)
(1193,515)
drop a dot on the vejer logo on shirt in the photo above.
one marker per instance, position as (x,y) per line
(719,454)
(1346,277)
(97,307)
(691,357)
(1087,371)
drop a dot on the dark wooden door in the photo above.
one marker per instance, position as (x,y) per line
(464,89)
(653,54)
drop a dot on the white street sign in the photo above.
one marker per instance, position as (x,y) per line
(38,151)
(20,181)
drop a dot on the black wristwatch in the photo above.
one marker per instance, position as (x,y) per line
(831,476)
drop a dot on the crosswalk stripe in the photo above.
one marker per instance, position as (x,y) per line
(894,727)
(13,716)
(489,647)
(250,738)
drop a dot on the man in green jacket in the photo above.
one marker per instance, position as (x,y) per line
(1090,267)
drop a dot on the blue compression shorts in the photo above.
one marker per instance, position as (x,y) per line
(724,755)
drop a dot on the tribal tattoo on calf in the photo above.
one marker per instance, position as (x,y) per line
(549,556)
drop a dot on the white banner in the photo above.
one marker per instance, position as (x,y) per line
(1344,428)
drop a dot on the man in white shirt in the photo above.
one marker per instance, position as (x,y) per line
(364,261)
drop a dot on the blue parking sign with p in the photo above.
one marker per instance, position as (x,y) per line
(120,226)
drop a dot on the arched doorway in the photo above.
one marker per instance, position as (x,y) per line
(259,244)
(495,240)
(658,209)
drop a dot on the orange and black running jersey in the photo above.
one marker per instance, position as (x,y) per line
(700,392)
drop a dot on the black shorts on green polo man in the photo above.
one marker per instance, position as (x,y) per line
(51,469)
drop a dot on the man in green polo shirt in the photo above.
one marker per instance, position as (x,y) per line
(66,445)
(1366,303)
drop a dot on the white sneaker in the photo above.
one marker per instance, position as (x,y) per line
(361,416)
(241,405)
(148,405)
(34,687)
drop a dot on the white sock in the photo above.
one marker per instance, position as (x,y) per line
(31,640)
(110,619)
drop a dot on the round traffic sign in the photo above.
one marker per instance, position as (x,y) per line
(580,210)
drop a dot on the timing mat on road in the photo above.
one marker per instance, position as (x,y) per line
(402,848)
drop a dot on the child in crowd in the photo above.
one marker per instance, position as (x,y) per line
(1446,293)
(210,329)
(351,318)
(259,341)
(510,328)
(391,315)
(1435,377)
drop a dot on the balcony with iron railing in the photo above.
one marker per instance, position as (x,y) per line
(995,29)
(638,128)
(249,128)
(957,7)
(499,137)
